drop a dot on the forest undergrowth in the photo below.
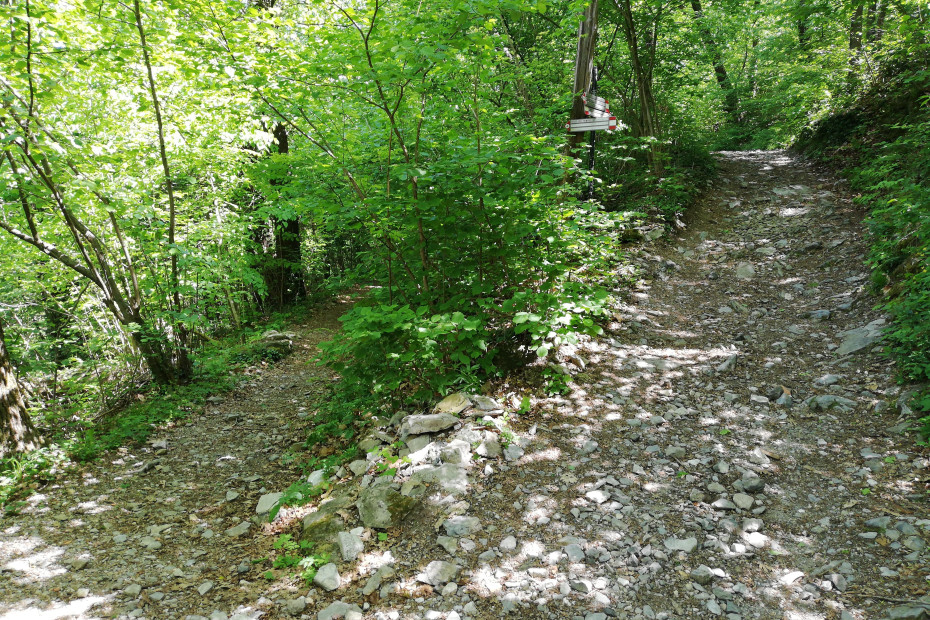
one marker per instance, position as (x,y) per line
(880,144)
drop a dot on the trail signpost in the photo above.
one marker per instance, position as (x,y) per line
(593,103)
(592,123)
(589,113)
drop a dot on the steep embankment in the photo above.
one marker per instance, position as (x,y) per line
(733,448)
(880,144)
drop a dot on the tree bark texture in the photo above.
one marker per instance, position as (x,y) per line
(730,98)
(284,280)
(877,12)
(648,126)
(855,45)
(584,68)
(17,433)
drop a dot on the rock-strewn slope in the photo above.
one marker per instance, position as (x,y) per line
(733,448)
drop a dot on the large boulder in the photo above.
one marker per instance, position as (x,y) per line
(322,526)
(382,507)
(280,342)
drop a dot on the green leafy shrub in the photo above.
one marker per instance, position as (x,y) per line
(25,472)
(297,494)
(635,189)
(295,553)
(401,351)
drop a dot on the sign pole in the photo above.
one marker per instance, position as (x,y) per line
(584,64)
(588,194)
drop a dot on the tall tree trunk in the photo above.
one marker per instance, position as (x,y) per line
(288,276)
(802,15)
(730,98)
(584,68)
(855,46)
(185,369)
(877,12)
(90,256)
(647,123)
(17,433)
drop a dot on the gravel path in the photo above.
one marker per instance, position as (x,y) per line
(732,448)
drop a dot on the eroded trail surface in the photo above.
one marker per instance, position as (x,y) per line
(161,531)
(733,448)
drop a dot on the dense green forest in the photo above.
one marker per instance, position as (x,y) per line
(177,178)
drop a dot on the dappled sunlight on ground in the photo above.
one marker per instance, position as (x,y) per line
(57,611)
(30,560)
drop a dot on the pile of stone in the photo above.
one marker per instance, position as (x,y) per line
(407,460)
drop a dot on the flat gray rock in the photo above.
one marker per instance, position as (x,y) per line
(456,452)
(339,610)
(486,404)
(702,575)
(438,573)
(574,552)
(461,526)
(375,581)
(266,502)
(724,504)
(908,612)
(450,477)
(828,401)
(295,606)
(855,340)
(681,544)
(418,442)
(448,543)
(878,524)
(422,424)
(453,403)
(359,467)
(238,530)
(350,545)
(327,577)
(489,448)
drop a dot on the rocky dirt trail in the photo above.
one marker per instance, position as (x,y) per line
(733,448)
(164,530)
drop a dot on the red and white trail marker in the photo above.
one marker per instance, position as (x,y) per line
(597,113)
(592,123)
(592,102)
